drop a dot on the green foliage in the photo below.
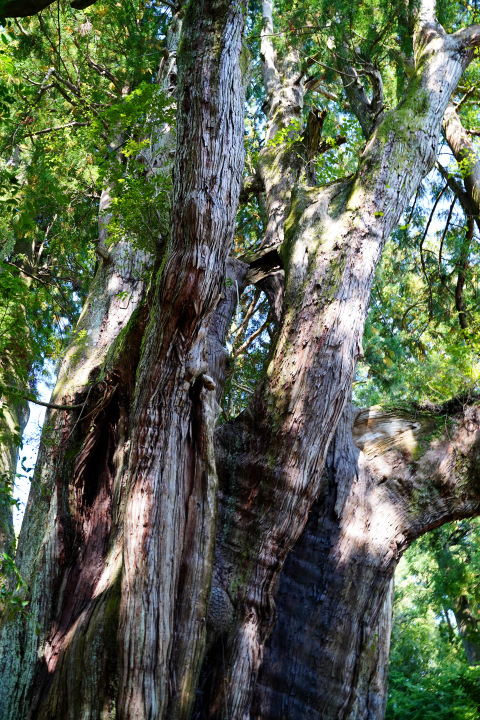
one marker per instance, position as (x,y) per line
(70,84)
(415,347)
(248,344)
(429,675)
(141,184)
(12,588)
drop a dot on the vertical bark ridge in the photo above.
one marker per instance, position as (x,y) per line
(172,479)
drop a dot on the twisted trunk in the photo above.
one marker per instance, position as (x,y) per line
(385,485)
(131,474)
(172,483)
(333,240)
(118,543)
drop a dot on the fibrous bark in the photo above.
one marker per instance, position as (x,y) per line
(121,553)
(333,241)
(386,484)
(13,418)
(73,538)
(171,506)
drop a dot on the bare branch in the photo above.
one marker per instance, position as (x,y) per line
(250,339)
(53,406)
(467,95)
(462,274)
(60,127)
(104,72)
(468,37)
(424,268)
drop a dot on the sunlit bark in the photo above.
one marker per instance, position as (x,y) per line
(385,485)
(118,544)
(333,238)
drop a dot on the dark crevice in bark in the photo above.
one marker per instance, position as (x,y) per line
(266,272)
(79,617)
(87,521)
(327,656)
(89,524)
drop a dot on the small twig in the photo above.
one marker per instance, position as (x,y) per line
(60,127)
(422,259)
(444,233)
(414,204)
(250,339)
(244,388)
(465,98)
(24,271)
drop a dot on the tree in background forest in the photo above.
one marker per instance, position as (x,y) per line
(181,566)
(434,664)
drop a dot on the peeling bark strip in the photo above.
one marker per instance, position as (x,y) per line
(333,241)
(171,508)
(327,656)
(67,551)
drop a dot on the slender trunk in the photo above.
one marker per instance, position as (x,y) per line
(468,630)
(466,155)
(13,418)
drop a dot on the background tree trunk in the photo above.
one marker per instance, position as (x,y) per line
(12,424)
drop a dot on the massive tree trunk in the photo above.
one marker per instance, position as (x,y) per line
(136,459)
(386,484)
(118,544)
(272,457)
(172,483)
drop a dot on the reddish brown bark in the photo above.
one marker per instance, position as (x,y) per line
(333,241)
(172,486)
(327,656)
(122,558)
